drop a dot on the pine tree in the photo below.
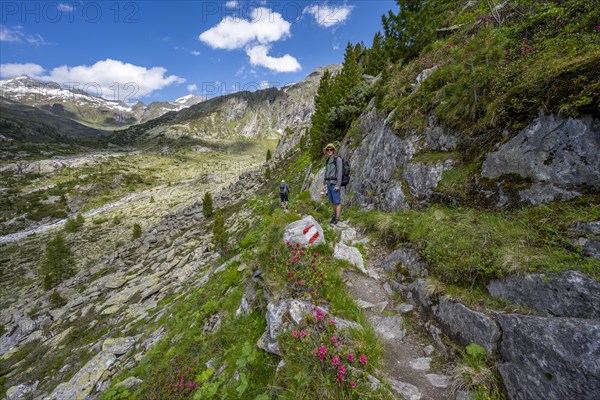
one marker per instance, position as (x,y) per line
(207,205)
(323,102)
(80,221)
(219,232)
(268,154)
(413,27)
(59,263)
(375,60)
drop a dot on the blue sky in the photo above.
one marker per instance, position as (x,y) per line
(159,50)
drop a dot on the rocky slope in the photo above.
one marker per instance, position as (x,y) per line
(265,113)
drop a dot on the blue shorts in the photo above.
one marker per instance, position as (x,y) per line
(334,197)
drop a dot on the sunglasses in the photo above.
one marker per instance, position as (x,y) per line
(328,149)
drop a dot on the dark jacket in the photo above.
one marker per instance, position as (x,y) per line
(284,188)
(333,170)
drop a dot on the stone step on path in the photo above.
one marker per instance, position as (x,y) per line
(407,360)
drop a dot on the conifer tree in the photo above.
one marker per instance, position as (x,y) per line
(323,102)
(375,60)
(207,205)
(413,27)
(269,154)
(59,263)
(219,232)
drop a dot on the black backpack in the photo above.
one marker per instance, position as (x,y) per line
(345,172)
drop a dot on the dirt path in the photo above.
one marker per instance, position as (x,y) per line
(407,358)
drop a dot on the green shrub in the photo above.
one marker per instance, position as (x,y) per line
(56,300)
(472,373)
(137,231)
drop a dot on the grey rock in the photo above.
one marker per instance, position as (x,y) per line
(350,254)
(586,227)
(421,364)
(428,350)
(390,327)
(404,259)
(374,163)
(467,326)
(571,294)
(423,178)
(550,358)
(441,381)
(540,193)
(436,139)
(118,346)
(130,382)
(559,155)
(405,308)
(406,390)
(317,185)
(21,391)
(419,295)
(83,382)
(462,395)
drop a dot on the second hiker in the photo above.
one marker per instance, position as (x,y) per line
(284,192)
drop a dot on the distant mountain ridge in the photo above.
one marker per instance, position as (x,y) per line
(261,113)
(84,108)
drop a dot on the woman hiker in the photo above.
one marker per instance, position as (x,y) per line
(333,180)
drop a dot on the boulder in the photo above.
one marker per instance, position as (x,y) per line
(404,259)
(467,326)
(550,358)
(304,232)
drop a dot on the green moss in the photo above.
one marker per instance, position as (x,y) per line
(468,247)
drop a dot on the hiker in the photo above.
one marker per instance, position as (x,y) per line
(332,181)
(284,192)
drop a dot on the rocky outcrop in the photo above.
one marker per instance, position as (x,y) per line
(550,358)
(571,294)
(375,164)
(559,156)
(384,175)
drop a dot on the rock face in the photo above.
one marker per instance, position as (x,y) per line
(560,157)
(374,164)
(550,358)
(571,294)
(382,171)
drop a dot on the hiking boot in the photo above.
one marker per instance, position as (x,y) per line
(332,220)
(335,220)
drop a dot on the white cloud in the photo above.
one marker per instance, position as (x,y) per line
(192,88)
(65,7)
(328,16)
(264,26)
(231,4)
(12,70)
(16,35)
(195,53)
(254,35)
(111,79)
(258,56)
